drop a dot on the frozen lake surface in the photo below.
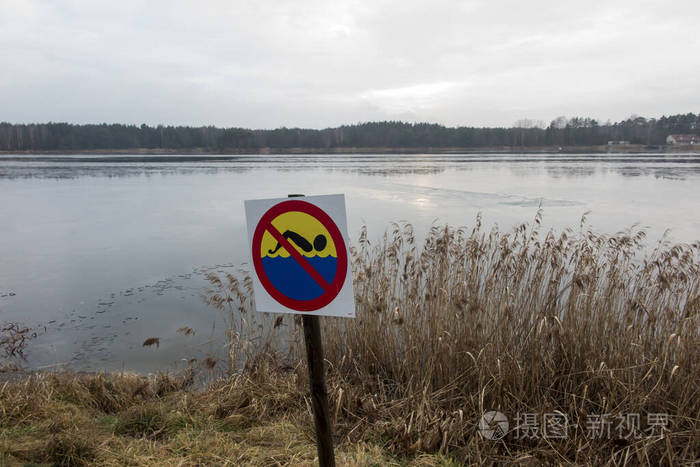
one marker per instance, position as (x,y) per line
(102,252)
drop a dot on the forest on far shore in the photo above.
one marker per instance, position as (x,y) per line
(561,131)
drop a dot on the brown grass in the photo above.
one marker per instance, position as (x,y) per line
(123,419)
(471,320)
(575,323)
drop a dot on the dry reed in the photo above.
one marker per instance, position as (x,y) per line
(577,323)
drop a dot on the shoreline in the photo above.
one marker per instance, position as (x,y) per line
(597,338)
(627,149)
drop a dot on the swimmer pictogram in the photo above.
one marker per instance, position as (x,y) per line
(319,242)
(299,255)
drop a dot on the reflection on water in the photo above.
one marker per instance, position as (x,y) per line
(104,252)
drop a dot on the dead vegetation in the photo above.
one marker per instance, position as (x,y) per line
(186,330)
(14,338)
(577,324)
(151,341)
(124,419)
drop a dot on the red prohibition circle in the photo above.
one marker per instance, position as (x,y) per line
(331,290)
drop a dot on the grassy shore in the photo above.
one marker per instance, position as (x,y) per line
(123,419)
(598,332)
(603,331)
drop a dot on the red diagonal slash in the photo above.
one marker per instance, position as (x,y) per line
(298,257)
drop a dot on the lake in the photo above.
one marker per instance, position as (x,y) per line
(99,253)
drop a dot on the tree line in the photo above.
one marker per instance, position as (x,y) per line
(561,131)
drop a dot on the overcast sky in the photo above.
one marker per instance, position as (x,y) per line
(308,63)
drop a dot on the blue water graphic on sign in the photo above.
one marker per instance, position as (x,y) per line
(293,281)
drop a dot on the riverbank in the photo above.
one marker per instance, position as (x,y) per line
(124,419)
(476,346)
(511,346)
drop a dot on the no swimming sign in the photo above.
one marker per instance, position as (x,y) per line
(299,253)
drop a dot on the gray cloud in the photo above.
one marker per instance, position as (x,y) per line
(319,63)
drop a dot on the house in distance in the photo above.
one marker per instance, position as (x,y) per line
(683,139)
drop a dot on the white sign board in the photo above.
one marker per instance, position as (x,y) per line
(300,257)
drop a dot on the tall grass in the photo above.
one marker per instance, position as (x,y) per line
(576,323)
